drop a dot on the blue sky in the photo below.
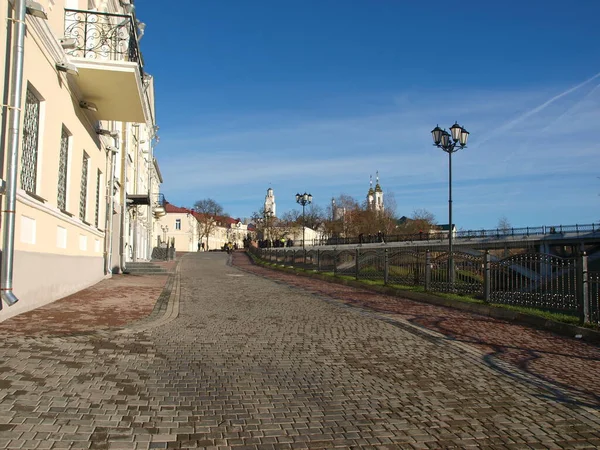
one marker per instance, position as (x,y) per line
(317,95)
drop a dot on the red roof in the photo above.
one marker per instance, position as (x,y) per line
(176,209)
(169,208)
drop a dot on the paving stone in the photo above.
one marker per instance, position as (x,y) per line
(248,362)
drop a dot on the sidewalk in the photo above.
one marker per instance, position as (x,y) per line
(545,357)
(111,303)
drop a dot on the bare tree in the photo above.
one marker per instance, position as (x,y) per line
(289,222)
(209,211)
(424,215)
(504,225)
(314,215)
(265,223)
(421,220)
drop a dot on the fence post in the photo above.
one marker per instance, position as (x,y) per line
(386,267)
(427,271)
(334,264)
(356,264)
(304,257)
(487,258)
(583,298)
(318,260)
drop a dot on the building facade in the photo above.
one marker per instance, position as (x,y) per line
(77,135)
(178,228)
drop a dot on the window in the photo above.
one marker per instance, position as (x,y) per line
(82,242)
(29,156)
(84,183)
(28,230)
(61,237)
(97,216)
(62,170)
(178,224)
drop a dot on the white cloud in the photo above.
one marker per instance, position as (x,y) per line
(520,141)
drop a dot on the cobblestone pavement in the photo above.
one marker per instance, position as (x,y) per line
(113,302)
(565,362)
(252,363)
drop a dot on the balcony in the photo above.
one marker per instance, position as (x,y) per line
(110,65)
(158,209)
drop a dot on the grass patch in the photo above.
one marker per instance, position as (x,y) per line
(549,315)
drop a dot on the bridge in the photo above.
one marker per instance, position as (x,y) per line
(560,240)
(540,267)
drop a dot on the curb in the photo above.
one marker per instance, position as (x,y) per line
(560,328)
(165,309)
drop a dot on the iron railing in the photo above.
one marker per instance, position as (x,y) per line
(104,36)
(83,188)
(160,200)
(29,154)
(62,170)
(534,280)
(438,235)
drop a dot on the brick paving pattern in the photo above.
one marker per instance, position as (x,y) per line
(567,363)
(253,363)
(116,302)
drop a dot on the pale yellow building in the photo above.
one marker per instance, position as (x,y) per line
(84,181)
(178,226)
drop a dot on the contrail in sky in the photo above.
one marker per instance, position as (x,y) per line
(535,110)
(572,108)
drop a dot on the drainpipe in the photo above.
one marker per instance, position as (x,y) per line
(123,200)
(110,206)
(14,109)
(150,197)
(134,210)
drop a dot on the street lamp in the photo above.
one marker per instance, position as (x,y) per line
(267,215)
(165,230)
(450,143)
(303,199)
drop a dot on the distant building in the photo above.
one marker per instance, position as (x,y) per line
(375,196)
(338,212)
(270,202)
(179,227)
(443,229)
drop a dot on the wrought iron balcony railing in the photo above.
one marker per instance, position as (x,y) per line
(103,36)
(160,200)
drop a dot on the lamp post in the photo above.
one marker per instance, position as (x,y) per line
(165,230)
(303,199)
(450,143)
(267,214)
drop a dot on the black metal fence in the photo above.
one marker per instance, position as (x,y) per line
(534,280)
(465,235)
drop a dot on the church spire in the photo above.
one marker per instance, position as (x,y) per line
(371,191)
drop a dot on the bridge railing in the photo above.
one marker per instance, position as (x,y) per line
(533,280)
(437,235)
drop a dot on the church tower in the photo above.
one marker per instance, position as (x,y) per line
(371,193)
(270,202)
(378,196)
